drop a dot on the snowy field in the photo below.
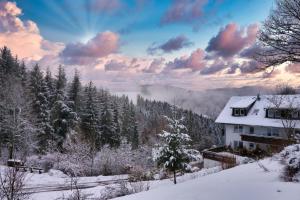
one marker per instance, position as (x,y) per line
(244,182)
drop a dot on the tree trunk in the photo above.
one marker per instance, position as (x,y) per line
(175,177)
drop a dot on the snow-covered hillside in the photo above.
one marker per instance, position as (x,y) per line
(245,182)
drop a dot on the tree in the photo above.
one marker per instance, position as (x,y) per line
(173,155)
(40,107)
(74,92)
(288,106)
(62,116)
(279,38)
(285,90)
(12,185)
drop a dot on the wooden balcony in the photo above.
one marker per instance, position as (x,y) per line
(276,141)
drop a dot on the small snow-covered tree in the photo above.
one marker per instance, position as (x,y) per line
(173,155)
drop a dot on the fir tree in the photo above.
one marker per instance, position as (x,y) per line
(74,93)
(90,123)
(63,117)
(173,155)
(40,106)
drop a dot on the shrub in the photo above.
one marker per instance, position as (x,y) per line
(290,157)
(140,174)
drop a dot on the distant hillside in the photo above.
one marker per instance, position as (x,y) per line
(209,102)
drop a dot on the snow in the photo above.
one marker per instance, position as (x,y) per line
(256,115)
(244,102)
(244,182)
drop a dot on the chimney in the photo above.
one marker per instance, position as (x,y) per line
(258,97)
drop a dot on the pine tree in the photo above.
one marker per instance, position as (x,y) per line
(108,131)
(173,155)
(62,116)
(49,81)
(90,123)
(134,135)
(74,92)
(40,105)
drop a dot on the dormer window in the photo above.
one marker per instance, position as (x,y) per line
(276,113)
(239,111)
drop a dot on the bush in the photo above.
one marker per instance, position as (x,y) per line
(140,174)
(290,157)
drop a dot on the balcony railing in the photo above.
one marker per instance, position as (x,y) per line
(277,141)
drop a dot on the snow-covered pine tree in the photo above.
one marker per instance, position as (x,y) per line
(62,116)
(173,155)
(90,123)
(74,92)
(50,83)
(108,134)
(134,134)
(39,95)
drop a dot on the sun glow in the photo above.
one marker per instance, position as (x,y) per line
(88,36)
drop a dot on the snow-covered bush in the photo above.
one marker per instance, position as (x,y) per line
(291,159)
(115,161)
(124,188)
(140,174)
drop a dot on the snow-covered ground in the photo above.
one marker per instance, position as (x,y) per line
(244,182)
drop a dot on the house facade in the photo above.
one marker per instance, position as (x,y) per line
(260,121)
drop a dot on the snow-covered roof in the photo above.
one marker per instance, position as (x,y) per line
(257,113)
(244,102)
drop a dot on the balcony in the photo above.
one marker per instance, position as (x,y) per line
(276,141)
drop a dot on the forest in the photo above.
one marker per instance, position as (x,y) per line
(50,122)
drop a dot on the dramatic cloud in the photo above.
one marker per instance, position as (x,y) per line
(101,45)
(115,65)
(231,40)
(23,37)
(184,11)
(172,44)
(194,62)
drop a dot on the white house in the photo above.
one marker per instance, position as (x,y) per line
(260,120)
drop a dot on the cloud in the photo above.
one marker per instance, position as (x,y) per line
(101,45)
(232,39)
(155,65)
(115,65)
(217,66)
(184,11)
(171,45)
(293,68)
(23,37)
(194,62)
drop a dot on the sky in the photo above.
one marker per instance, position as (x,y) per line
(122,44)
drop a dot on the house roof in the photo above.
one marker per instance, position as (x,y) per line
(257,113)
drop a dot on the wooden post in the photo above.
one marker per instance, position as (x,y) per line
(175,177)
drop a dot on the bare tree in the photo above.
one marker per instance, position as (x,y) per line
(285,89)
(288,107)
(12,185)
(279,38)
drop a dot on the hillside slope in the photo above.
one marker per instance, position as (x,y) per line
(245,182)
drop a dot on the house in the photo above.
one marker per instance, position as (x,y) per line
(262,121)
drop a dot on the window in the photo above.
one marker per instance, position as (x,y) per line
(295,115)
(238,128)
(251,130)
(239,112)
(251,145)
(277,114)
(270,113)
(275,132)
(242,112)
(236,112)
(269,131)
(235,144)
(240,144)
